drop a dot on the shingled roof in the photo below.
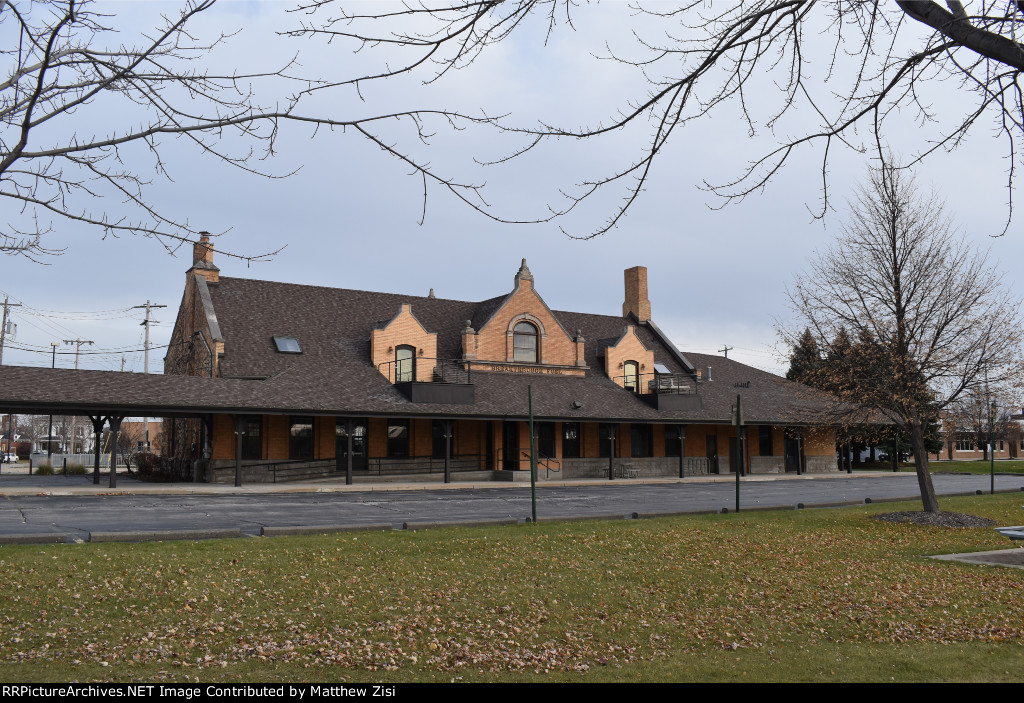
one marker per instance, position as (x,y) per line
(334,372)
(335,376)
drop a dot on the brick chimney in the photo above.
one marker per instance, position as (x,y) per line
(202,259)
(636,294)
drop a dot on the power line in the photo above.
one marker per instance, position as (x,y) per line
(98,352)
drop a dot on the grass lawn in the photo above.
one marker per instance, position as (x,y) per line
(815,595)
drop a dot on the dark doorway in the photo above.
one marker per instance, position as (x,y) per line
(711,447)
(792,449)
(510,446)
(489,460)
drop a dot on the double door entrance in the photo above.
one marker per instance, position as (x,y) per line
(359,435)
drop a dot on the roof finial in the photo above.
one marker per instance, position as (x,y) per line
(524,272)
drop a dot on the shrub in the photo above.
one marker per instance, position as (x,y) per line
(76,470)
(44,469)
(23,450)
(152,467)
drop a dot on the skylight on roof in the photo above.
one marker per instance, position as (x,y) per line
(287,345)
(661,368)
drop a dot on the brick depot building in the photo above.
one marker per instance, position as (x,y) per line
(303,380)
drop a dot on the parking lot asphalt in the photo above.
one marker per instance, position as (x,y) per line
(35,509)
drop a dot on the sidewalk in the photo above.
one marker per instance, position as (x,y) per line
(19,483)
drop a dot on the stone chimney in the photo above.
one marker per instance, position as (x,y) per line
(469,340)
(579,343)
(636,294)
(202,259)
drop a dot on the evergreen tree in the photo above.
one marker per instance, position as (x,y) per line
(805,359)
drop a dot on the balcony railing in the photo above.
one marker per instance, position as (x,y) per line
(442,370)
(659,383)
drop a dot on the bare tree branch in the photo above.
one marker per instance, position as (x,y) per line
(705,57)
(62,60)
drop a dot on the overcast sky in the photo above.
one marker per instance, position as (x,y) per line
(350,216)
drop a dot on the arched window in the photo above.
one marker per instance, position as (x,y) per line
(630,376)
(524,343)
(405,364)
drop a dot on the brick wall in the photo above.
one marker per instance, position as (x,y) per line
(223,437)
(377,442)
(494,339)
(404,329)
(421,440)
(819,441)
(629,348)
(278,439)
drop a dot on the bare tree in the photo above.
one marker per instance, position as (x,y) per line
(849,68)
(66,66)
(931,317)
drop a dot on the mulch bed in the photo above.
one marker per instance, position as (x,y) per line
(939,519)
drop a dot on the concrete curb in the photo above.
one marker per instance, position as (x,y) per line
(835,504)
(751,508)
(288,530)
(439,524)
(35,538)
(673,513)
(163,535)
(582,518)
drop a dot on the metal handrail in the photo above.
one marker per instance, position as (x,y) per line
(444,370)
(543,459)
(382,466)
(659,383)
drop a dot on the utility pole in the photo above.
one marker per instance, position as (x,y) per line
(49,432)
(146,323)
(3,326)
(78,347)
(726,348)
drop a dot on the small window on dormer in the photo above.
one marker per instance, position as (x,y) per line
(630,376)
(405,364)
(287,345)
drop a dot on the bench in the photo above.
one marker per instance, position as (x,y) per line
(627,471)
(1015,533)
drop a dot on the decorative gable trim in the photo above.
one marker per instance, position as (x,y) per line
(529,285)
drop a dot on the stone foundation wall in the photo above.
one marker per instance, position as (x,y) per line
(648,467)
(821,464)
(767,465)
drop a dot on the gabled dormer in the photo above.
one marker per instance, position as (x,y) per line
(523,335)
(403,350)
(405,353)
(629,363)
